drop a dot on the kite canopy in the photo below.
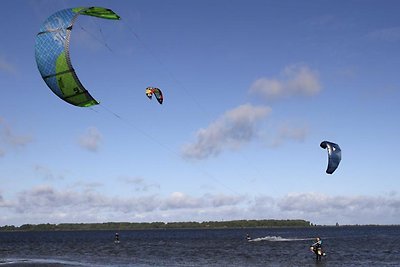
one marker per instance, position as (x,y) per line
(52,54)
(334,155)
(157,92)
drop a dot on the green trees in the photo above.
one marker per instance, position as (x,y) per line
(157,225)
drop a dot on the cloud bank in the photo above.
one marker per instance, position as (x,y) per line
(296,80)
(348,209)
(230,131)
(45,204)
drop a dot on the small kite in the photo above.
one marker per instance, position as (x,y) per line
(157,93)
(334,155)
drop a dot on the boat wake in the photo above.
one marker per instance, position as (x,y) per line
(277,239)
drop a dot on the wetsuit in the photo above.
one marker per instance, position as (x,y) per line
(317,248)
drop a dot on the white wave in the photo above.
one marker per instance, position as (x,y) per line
(276,239)
(36,262)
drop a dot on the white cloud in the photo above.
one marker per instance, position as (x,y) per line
(178,200)
(139,184)
(231,131)
(8,138)
(3,203)
(221,200)
(6,66)
(288,132)
(391,34)
(1,199)
(296,80)
(91,139)
(46,173)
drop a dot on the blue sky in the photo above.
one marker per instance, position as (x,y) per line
(251,89)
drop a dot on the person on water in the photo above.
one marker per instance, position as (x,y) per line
(317,248)
(116,238)
(248,238)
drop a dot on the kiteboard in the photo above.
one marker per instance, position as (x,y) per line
(320,253)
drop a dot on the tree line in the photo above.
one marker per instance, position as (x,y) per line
(156,225)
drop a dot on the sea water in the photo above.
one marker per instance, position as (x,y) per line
(345,246)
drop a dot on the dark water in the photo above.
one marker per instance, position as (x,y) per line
(345,246)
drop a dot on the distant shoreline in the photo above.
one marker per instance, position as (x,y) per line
(156,225)
(120,226)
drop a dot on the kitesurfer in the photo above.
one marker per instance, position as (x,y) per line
(317,248)
(248,238)
(116,238)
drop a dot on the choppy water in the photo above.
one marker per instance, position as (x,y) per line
(345,246)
